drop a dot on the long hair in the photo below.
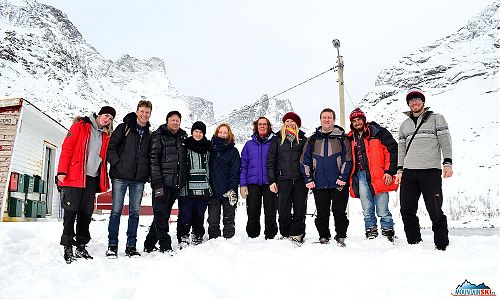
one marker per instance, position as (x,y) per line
(256,126)
(230,135)
(283,133)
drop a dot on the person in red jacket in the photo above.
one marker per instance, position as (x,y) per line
(375,156)
(82,172)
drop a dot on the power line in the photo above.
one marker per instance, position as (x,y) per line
(269,98)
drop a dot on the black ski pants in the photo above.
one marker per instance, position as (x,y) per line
(191,214)
(162,208)
(228,214)
(335,200)
(258,194)
(292,202)
(78,205)
(426,182)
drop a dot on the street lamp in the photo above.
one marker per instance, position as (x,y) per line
(340,66)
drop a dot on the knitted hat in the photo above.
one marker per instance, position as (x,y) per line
(357,113)
(200,126)
(293,116)
(107,110)
(414,93)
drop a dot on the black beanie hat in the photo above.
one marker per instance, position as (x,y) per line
(200,126)
(107,110)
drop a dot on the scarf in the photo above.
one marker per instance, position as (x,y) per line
(291,134)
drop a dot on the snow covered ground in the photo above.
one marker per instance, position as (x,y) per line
(32,266)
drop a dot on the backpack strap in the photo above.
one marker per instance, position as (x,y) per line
(424,118)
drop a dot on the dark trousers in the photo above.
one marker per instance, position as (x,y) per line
(191,214)
(428,183)
(228,213)
(78,204)
(256,195)
(162,208)
(337,201)
(292,202)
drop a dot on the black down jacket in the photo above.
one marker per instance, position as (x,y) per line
(129,158)
(283,160)
(168,158)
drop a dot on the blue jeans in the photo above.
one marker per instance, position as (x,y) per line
(119,188)
(380,203)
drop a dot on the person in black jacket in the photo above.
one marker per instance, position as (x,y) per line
(168,175)
(285,178)
(225,177)
(128,156)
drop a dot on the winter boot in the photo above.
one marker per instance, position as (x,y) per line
(132,251)
(340,241)
(112,252)
(371,233)
(81,252)
(149,250)
(388,233)
(324,241)
(68,254)
(196,240)
(297,240)
(184,242)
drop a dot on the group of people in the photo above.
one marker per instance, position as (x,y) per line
(276,171)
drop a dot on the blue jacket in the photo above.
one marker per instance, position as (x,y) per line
(326,158)
(254,161)
(224,167)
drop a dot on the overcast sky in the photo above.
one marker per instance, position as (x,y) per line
(231,51)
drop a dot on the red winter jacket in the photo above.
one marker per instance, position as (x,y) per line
(381,152)
(74,153)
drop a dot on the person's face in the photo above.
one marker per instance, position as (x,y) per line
(143,115)
(290,123)
(327,120)
(416,105)
(223,132)
(104,120)
(358,124)
(197,135)
(173,123)
(262,127)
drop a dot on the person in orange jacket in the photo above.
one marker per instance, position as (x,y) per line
(82,172)
(375,157)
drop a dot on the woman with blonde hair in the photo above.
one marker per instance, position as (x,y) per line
(225,178)
(283,170)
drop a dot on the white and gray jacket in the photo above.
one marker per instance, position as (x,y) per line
(431,142)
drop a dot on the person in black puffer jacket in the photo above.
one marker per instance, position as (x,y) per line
(128,156)
(225,177)
(283,169)
(168,175)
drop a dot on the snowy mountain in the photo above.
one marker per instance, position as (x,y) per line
(459,75)
(45,59)
(241,120)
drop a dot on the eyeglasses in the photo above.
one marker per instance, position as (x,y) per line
(262,124)
(414,100)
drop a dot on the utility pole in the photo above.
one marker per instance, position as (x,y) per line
(340,65)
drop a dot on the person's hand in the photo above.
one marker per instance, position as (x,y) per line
(387,179)
(61,177)
(398,178)
(274,187)
(243,191)
(310,185)
(231,196)
(340,182)
(447,171)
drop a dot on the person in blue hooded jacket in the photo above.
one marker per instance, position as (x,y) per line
(225,178)
(254,182)
(326,165)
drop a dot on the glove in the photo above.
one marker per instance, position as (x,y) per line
(231,195)
(243,192)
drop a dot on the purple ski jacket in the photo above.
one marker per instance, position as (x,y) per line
(254,161)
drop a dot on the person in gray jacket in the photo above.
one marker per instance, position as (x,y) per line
(423,140)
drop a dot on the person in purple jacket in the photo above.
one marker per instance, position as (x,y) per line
(254,182)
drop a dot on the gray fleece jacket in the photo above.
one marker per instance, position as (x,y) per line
(431,142)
